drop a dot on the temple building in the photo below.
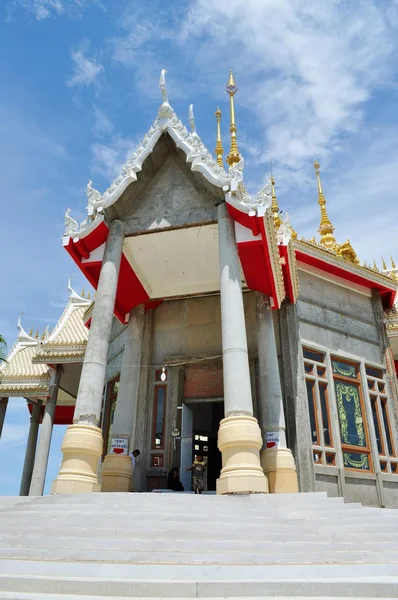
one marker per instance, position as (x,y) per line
(215,330)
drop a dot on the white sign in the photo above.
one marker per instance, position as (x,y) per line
(272,439)
(119,445)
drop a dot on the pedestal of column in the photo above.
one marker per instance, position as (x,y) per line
(117,469)
(82,443)
(276,458)
(239,438)
(30,452)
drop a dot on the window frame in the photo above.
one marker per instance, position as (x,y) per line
(320,449)
(382,397)
(358,381)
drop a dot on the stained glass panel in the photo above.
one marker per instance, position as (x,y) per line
(353,460)
(342,368)
(350,414)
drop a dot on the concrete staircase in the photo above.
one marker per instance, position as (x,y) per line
(186,546)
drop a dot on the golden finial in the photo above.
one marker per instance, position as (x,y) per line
(375,267)
(384,264)
(325,228)
(42,335)
(37,334)
(392,263)
(88,295)
(274,205)
(219,148)
(31,332)
(294,233)
(233,156)
(82,294)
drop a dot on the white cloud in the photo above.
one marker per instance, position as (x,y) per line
(102,125)
(44,9)
(107,159)
(86,70)
(305,68)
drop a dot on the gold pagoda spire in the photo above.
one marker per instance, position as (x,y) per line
(326,228)
(219,149)
(233,156)
(274,205)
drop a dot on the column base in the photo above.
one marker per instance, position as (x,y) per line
(239,440)
(81,448)
(280,469)
(117,474)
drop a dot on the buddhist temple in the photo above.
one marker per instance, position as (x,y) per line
(215,331)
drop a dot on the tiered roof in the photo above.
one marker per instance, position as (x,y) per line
(28,367)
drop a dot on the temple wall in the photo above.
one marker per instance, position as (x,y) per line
(344,323)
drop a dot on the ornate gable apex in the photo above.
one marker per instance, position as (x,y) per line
(69,336)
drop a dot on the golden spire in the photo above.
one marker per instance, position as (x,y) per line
(31,332)
(82,294)
(37,334)
(233,156)
(392,263)
(375,267)
(274,205)
(325,228)
(88,295)
(219,148)
(384,264)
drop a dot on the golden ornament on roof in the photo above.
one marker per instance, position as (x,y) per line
(326,228)
(219,147)
(233,156)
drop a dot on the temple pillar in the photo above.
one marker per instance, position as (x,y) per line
(82,443)
(239,436)
(46,430)
(296,402)
(3,410)
(30,451)
(276,458)
(117,469)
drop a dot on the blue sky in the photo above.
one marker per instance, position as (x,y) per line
(79,88)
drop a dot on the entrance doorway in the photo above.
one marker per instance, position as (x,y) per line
(199,431)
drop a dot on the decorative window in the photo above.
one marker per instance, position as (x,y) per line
(159,414)
(352,415)
(318,406)
(381,420)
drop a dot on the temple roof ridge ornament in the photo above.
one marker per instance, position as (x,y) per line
(74,297)
(23,337)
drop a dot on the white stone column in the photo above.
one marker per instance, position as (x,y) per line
(3,410)
(117,470)
(30,452)
(82,443)
(46,431)
(239,438)
(276,459)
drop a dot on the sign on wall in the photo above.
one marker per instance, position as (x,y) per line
(119,445)
(272,439)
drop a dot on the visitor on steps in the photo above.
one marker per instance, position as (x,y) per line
(198,469)
(173,480)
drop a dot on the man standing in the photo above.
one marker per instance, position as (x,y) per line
(134,455)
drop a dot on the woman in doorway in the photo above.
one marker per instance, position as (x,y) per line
(198,469)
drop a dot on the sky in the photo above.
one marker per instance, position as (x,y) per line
(317,79)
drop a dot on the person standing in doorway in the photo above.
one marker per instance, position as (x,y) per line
(134,455)
(198,469)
